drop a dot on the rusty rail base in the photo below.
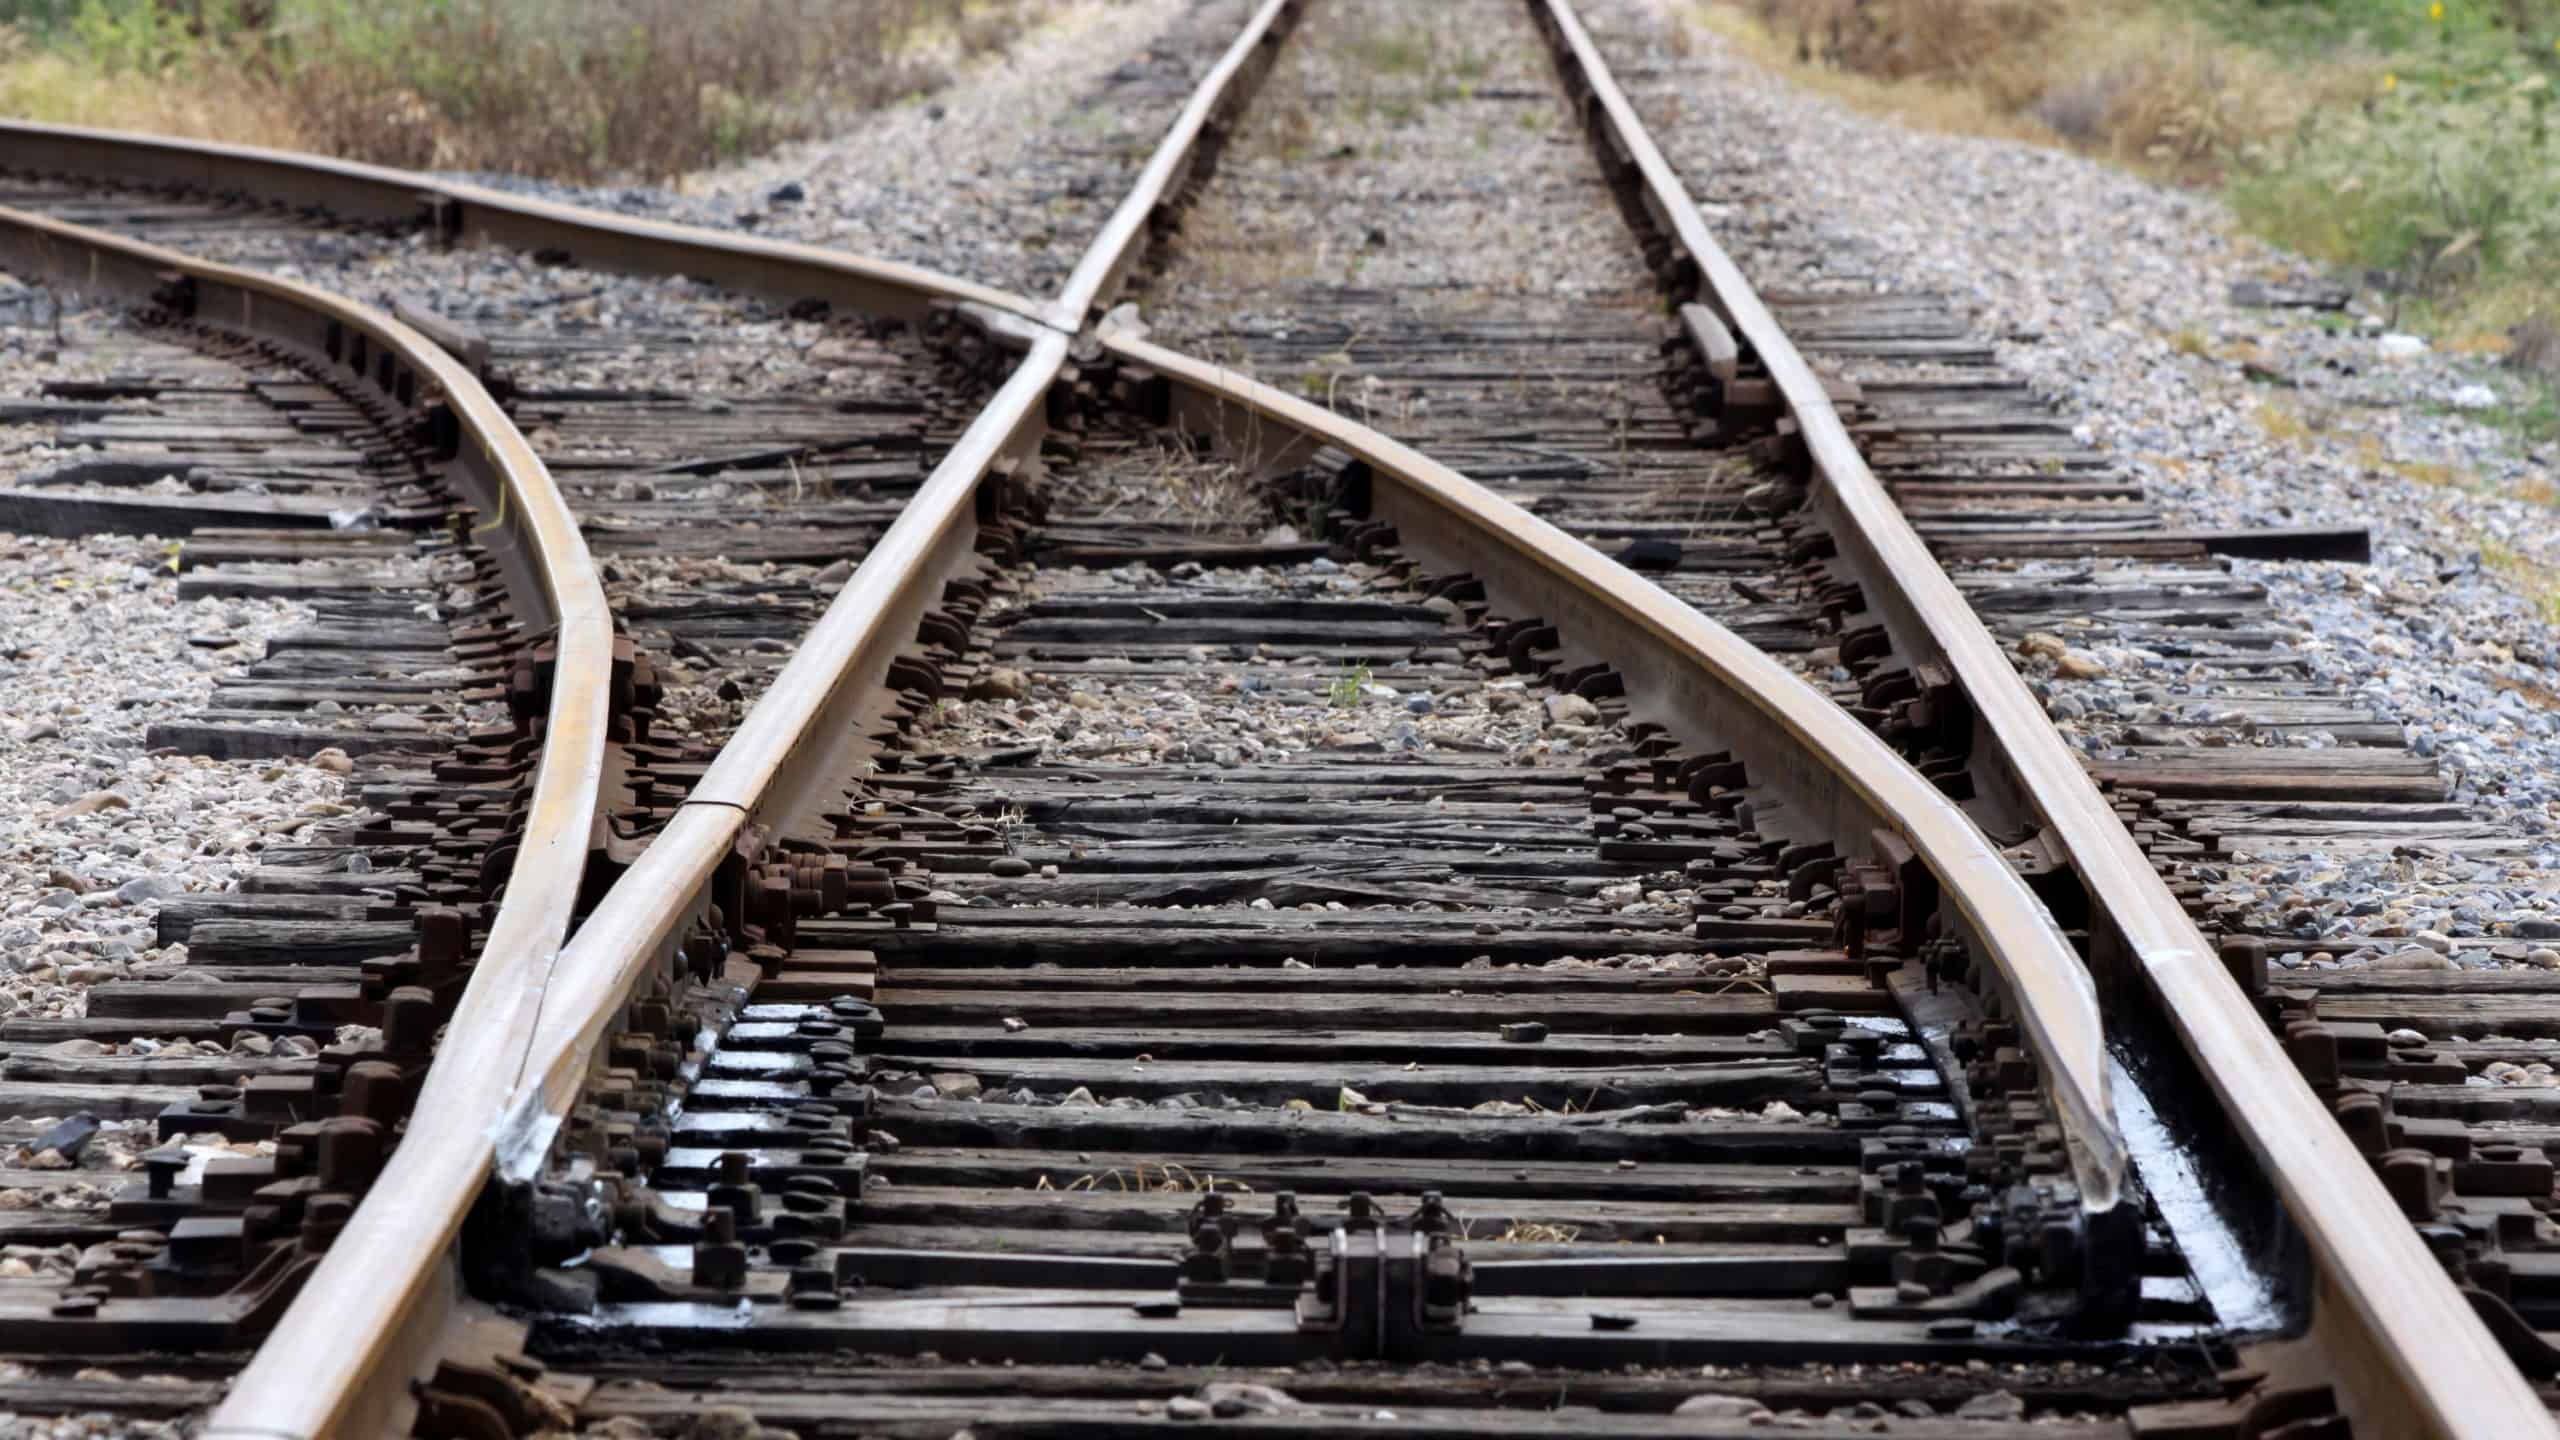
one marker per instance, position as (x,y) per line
(476,214)
(2412,1357)
(1685,670)
(804,730)
(355,1316)
(492,1098)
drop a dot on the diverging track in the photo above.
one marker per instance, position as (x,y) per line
(1430,943)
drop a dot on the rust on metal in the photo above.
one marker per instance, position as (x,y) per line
(311,1380)
(2413,1359)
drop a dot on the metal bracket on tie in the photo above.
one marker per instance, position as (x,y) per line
(1379,1289)
(1385,1286)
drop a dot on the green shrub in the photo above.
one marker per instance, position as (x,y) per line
(2402,136)
(2448,176)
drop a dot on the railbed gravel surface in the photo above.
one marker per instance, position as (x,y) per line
(95,646)
(95,831)
(2113,296)
(1235,710)
(1002,176)
(558,330)
(97,1426)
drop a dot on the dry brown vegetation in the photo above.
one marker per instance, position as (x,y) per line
(581,91)
(2410,144)
(2123,77)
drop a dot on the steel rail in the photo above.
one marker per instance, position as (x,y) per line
(1790,737)
(2414,1359)
(346,1318)
(1106,263)
(494,1101)
(349,190)
(499,1098)
(803,730)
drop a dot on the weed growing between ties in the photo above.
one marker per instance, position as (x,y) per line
(573,91)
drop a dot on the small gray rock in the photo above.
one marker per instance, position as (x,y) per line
(1237,1397)
(723,1422)
(1003,682)
(1998,1405)
(1571,710)
(69,1135)
(1720,1407)
(145,889)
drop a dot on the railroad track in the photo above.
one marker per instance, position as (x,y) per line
(962,1007)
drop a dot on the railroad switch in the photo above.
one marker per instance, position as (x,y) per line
(1385,1286)
(1991,1228)
(1382,1285)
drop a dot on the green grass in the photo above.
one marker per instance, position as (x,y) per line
(2412,146)
(2445,176)
(2377,25)
(1416,60)
(1349,688)
(1396,52)
(2535,418)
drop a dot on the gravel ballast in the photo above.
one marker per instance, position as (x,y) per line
(98,647)
(1001,176)
(95,645)
(2114,296)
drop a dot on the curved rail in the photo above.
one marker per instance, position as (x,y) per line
(497,1099)
(348,1324)
(802,730)
(554,1005)
(2416,1360)
(458,210)
(1790,736)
